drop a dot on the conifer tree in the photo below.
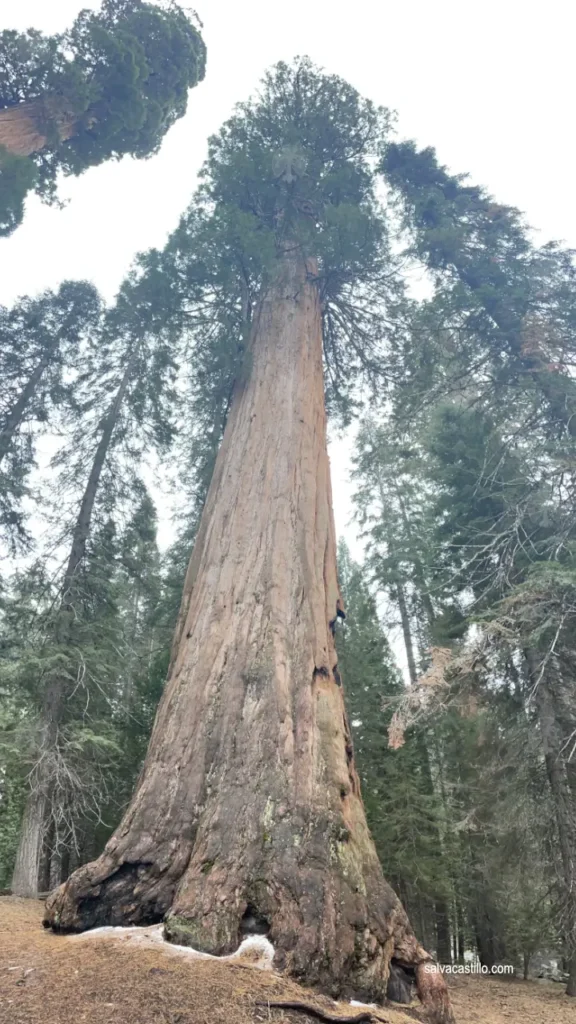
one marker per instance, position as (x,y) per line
(510,537)
(44,341)
(517,298)
(127,406)
(105,727)
(288,196)
(111,85)
(403,810)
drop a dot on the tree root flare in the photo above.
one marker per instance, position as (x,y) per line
(433,994)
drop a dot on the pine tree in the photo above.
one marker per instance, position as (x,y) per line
(516,298)
(393,501)
(111,85)
(475,444)
(505,530)
(127,407)
(403,811)
(44,342)
(107,718)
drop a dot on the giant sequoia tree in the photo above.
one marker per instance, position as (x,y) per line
(113,84)
(249,804)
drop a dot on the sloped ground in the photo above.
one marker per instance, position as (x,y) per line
(497,1001)
(48,979)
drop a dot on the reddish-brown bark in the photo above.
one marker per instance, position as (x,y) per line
(26,128)
(249,803)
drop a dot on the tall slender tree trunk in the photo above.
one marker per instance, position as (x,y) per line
(443,936)
(16,413)
(564,810)
(27,128)
(441,906)
(249,805)
(419,573)
(37,812)
(406,633)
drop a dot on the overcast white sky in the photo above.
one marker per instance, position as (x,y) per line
(490,85)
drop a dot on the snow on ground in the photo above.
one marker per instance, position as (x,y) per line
(256,950)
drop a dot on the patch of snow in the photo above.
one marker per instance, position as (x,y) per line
(255,950)
(371,1006)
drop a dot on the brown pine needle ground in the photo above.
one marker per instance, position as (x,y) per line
(49,979)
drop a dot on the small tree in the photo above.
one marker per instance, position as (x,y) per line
(112,85)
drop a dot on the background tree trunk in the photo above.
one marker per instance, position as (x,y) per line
(37,814)
(16,414)
(28,863)
(563,805)
(248,807)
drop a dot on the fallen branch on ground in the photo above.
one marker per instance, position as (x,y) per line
(315,1011)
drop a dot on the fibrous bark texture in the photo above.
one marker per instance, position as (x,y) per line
(26,128)
(248,810)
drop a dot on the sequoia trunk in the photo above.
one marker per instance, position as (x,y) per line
(248,809)
(26,128)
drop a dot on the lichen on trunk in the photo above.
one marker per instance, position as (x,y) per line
(248,806)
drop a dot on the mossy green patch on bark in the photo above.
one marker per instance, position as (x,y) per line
(348,860)
(183,931)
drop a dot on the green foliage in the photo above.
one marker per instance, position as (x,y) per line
(45,341)
(120,76)
(292,167)
(132,68)
(108,663)
(18,175)
(402,809)
(513,297)
(12,789)
(458,513)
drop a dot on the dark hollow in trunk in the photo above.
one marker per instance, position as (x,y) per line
(249,802)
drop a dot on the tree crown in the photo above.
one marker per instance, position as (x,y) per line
(120,76)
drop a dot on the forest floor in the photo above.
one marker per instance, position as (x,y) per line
(50,979)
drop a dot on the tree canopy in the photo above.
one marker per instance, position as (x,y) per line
(112,85)
(464,478)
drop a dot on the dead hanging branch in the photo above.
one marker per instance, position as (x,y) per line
(442,686)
